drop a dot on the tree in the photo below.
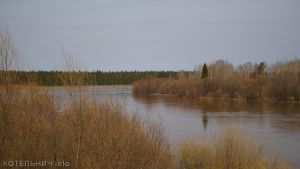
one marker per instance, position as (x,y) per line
(74,76)
(8,60)
(221,69)
(204,71)
(261,68)
(8,57)
(246,69)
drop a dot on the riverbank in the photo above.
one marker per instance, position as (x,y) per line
(106,136)
(270,89)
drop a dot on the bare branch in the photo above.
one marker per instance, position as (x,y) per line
(8,53)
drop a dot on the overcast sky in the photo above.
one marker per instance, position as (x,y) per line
(151,34)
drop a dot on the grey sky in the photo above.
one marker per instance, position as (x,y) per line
(151,34)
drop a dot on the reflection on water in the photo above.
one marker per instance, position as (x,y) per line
(286,116)
(204,120)
(275,125)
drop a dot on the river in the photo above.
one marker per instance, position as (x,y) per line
(276,126)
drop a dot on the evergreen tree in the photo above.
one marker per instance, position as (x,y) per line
(204,71)
(261,68)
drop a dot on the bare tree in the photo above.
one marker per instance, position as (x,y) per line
(74,76)
(8,62)
(221,69)
(8,57)
(246,69)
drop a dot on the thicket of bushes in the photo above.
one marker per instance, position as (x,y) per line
(85,133)
(230,150)
(34,126)
(281,85)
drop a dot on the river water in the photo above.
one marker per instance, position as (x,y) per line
(275,126)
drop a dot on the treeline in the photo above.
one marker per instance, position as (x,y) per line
(277,82)
(54,78)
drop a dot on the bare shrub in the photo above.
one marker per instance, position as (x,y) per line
(230,150)
(195,156)
(108,138)
(234,151)
(279,82)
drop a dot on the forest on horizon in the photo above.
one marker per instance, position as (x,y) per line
(219,69)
